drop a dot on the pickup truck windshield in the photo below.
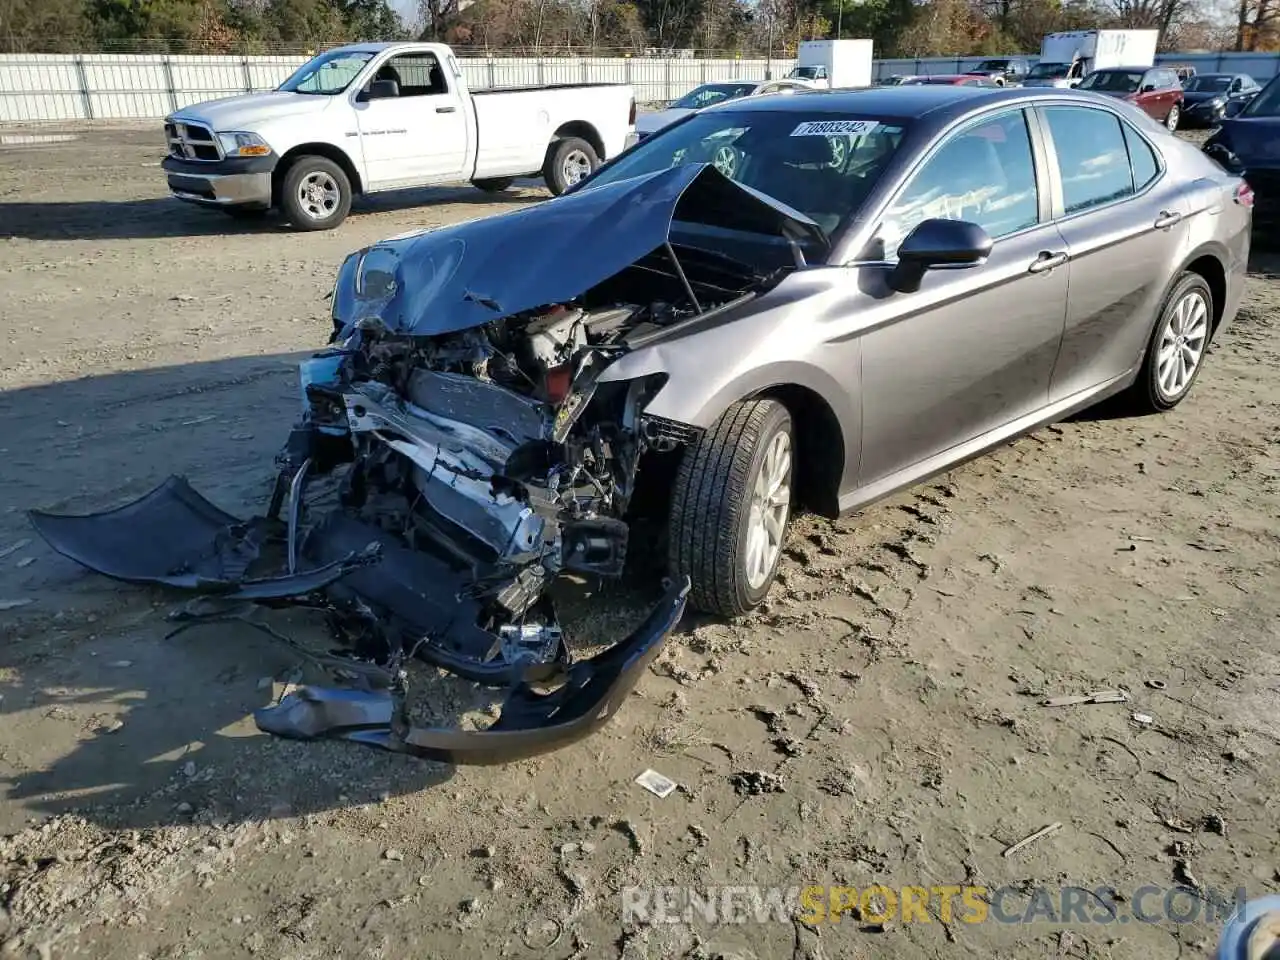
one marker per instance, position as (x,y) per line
(1112,81)
(1048,71)
(328,73)
(820,164)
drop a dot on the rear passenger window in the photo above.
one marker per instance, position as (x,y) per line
(1093,161)
(1142,159)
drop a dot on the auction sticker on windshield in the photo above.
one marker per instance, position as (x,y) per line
(828,128)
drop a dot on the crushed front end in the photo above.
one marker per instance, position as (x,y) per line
(457,451)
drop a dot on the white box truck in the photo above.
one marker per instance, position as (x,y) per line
(1067,58)
(831,64)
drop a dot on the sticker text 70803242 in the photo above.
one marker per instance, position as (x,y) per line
(830,128)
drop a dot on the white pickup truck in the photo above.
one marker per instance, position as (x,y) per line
(373,117)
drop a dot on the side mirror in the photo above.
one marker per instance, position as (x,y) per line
(1148,88)
(381,90)
(938,244)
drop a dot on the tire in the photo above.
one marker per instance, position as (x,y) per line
(1152,392)
(568,161)
(1171,121)
(494,184)
(710,526)
(328,203)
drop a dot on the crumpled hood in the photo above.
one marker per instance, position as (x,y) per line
(647,123)
(434,282)
(247,110)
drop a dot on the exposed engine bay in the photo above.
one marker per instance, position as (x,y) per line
(456,453)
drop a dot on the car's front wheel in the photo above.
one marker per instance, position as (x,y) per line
(1177,348)
(731,506)
(1171,121)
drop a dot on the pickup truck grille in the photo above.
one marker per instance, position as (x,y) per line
(191,141)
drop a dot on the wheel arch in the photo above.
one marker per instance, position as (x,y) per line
(583,131)
(1208,261)
(820,445)
(318,149)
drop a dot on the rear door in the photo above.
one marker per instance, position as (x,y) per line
(972,349)
(419,136)
(1123,220)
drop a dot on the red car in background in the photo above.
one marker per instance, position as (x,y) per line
(1156,91)
(956,79)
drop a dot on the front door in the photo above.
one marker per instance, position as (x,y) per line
(972,349)
(418,136)
(1124,223)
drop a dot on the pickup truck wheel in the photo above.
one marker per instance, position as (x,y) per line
(315,194)
(568,161)
(494,184)
(730,507)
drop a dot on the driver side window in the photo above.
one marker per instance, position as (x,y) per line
(984,174)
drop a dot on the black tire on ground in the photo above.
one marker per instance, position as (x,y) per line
(1146,395)
(1172,117)
(711,506)
(315,171)
(494,184)
(245,213)
(559,155)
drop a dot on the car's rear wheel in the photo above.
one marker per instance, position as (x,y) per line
(731,505)
(315,194)
(494,184)
(1171,121)
(568,161)
(1177,348)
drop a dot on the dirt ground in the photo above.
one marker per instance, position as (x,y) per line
(881,722)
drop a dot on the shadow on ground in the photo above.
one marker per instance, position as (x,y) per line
(160,217)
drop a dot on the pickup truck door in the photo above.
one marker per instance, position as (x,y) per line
(419,135)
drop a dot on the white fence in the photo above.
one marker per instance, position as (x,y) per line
(1261,66)
(40,87)
(37,87)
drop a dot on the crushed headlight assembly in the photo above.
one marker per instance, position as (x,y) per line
(242,144)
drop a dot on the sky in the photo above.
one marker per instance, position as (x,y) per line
(408,9)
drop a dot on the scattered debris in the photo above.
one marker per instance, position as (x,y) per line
(14,604)
(14,548)
(392,854)
(660,786)
(1098,696)
(788,746)
(1032,838)
(25,562)
(753,783)
(1145,719)
(1156,684)
(1214,823)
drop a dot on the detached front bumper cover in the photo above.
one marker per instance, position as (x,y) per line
(531,723)
(176,538)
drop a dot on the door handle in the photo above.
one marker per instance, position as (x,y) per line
(1047,261)
(1167,218)
(445,109)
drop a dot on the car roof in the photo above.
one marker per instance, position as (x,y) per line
(1131,69)
(939,102)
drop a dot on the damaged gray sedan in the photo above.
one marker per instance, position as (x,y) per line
(813,300)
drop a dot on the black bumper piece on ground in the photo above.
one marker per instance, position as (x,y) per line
(531,722)
(174,537)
